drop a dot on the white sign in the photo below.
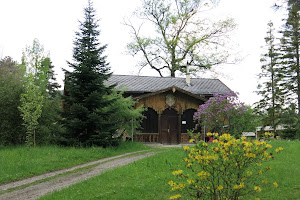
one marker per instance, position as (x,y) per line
(183,122)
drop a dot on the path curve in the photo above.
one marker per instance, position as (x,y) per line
(41,189)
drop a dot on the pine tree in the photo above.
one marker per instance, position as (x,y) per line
(291,60)
(85,117)
(270,90)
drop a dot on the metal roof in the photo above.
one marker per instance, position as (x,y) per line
(142,84)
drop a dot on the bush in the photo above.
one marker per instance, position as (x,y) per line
(228,168)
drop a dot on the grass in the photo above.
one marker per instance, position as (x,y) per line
(148,178)
(285,171)
(19,162)
(145,179)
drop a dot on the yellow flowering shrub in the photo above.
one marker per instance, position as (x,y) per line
(227,168)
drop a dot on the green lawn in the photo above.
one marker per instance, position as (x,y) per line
(148,178)
(19,162)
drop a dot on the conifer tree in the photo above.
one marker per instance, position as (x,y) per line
(290,65)
(269,88)
(85,117)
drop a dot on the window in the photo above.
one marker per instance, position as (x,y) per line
(150,122)
(187,121)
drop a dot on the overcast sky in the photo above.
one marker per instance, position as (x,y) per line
(53,23)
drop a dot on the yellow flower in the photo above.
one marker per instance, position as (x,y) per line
(220,187)
(257,188)
(268,146)
(190,181)
(242,185)
(250,155)
(236,187)
(208,187)
(192,140)
(264,181)
(268,168)
(280,148)
(186,148)
(215,141)
(215,134)
(177,172)
(176,196)
(249,172)
(204,144)
(171,183)
(257,198)
(277,150)
(209,134)
(275,184)
(243,138)
(260,172)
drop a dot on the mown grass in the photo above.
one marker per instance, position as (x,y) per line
(285,171)
(19,162)
(144,179)
(148,178)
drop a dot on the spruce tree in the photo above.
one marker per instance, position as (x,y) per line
(269,88)
(290,65)
(85,114)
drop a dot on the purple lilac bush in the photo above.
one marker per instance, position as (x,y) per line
(217,112)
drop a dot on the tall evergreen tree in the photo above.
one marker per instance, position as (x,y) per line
(85,117)
(291,60)
(269,88)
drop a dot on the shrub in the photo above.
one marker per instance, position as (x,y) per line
(227,168)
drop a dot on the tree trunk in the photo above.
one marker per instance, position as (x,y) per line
(172,73)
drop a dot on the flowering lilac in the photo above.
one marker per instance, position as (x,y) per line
(217,111)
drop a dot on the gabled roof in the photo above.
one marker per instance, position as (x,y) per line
(146,84)
(173,88)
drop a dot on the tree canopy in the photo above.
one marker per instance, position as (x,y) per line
(183,37)
(85,116)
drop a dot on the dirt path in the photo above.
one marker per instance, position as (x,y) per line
(41,189)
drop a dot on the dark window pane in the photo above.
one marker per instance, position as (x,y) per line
(150,123)
(187,118)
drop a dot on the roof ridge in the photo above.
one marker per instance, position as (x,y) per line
(164,77)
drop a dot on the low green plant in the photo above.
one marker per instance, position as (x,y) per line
(228,168)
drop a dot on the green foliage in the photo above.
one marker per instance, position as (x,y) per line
(270,89)
(85,116)
(246,122)
(39,67)
(31,108)
(226,169)
(127,116)
(181,35)
(290,65)
(11,87)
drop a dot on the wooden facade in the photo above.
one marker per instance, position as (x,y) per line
(170,101)
(169,115)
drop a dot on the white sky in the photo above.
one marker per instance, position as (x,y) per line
(53,23)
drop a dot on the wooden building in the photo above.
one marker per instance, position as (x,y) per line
(171,103)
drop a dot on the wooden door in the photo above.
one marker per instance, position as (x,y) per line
(169,127)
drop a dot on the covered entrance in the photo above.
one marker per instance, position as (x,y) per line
(169,127)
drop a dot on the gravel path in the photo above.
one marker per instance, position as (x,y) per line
(41,189)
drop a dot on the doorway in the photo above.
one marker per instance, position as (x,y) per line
(169,127)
